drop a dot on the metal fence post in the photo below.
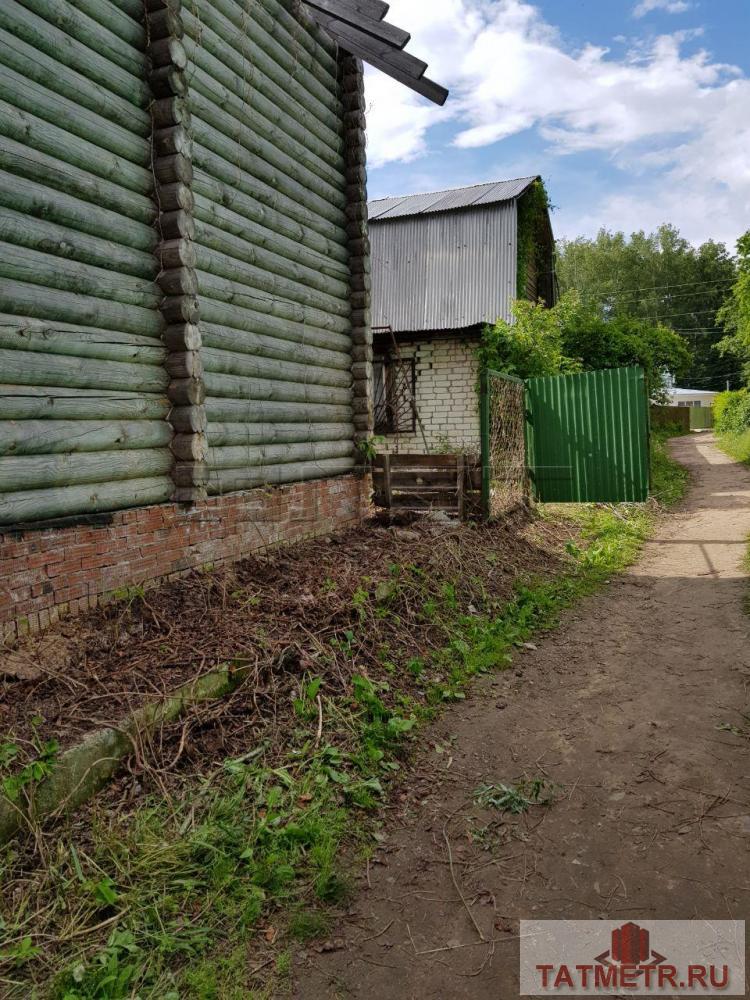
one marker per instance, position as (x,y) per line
(484,426)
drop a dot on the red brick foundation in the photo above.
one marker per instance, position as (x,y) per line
(46,572)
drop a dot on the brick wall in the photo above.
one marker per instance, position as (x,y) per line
(447,377)
(48,572)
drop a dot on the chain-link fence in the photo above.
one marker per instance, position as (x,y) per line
(503,417)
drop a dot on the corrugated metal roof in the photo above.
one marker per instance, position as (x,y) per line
(445,201)
(444,271)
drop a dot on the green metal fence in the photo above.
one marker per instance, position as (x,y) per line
(587,437)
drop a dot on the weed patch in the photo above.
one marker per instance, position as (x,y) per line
(517,798)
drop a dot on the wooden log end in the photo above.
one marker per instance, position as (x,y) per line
(189,419)
(182,337)
(178,281)
(191,448)
(180,309)
(184,365)
(187,392)
(177,225)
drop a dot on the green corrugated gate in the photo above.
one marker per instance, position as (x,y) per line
(587,437)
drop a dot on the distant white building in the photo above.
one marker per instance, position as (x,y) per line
(692,397)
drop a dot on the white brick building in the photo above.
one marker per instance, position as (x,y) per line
(446,377)
(443,266)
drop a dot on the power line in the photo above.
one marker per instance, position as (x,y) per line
(685,284)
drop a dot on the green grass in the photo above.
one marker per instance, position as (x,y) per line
(737,446)
(161,902)
(668,478)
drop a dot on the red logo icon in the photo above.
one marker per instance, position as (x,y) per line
(631,946)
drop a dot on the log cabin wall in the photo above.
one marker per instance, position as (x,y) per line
(83,407)
(175,285)
(271,247)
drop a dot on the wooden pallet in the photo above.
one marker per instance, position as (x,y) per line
(423,482)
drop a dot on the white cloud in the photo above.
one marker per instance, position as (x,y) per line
(674,123)
(669,6)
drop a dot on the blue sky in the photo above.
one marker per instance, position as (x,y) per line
(635,112)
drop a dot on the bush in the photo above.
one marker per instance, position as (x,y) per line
(732,412)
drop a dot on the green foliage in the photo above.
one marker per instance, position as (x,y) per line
(36,770)
(732,423)
(732,412)
(368,448)
(658,278)
(735,313)
(533,344)
(572,337)
(596,343)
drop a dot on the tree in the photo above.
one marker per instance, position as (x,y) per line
(572,337)
(735,313)
(595,343)
(659,278)
(532,345)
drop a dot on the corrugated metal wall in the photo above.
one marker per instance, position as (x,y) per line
(444,271)
(587,437)
(271,248)
(82,404)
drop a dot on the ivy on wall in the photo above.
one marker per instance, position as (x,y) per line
(533,238)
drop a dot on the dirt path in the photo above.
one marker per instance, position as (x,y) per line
(619,709)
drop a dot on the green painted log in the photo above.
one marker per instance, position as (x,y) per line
(24,230)
(287,41)
(80,772)
(48,437)
(77,121)
(275,191)
(50,72)
(45,37)
(67,339)
(38,302)
(42,403)
(314,288)
(253,456)
(40,505)
(55,172)
(286,28)
(291,172)
(37,369)
(237,193)
(249,238)
(240,387)
(21,264)
(255,300)
(269,57)
(133,8)
(252,411)
(36,472)
(230,363)
(221,481)
(224,338)
(286,118)
(30,198)
(122,24)
(199,40)
(254,434)
(85,29)
(222,314)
